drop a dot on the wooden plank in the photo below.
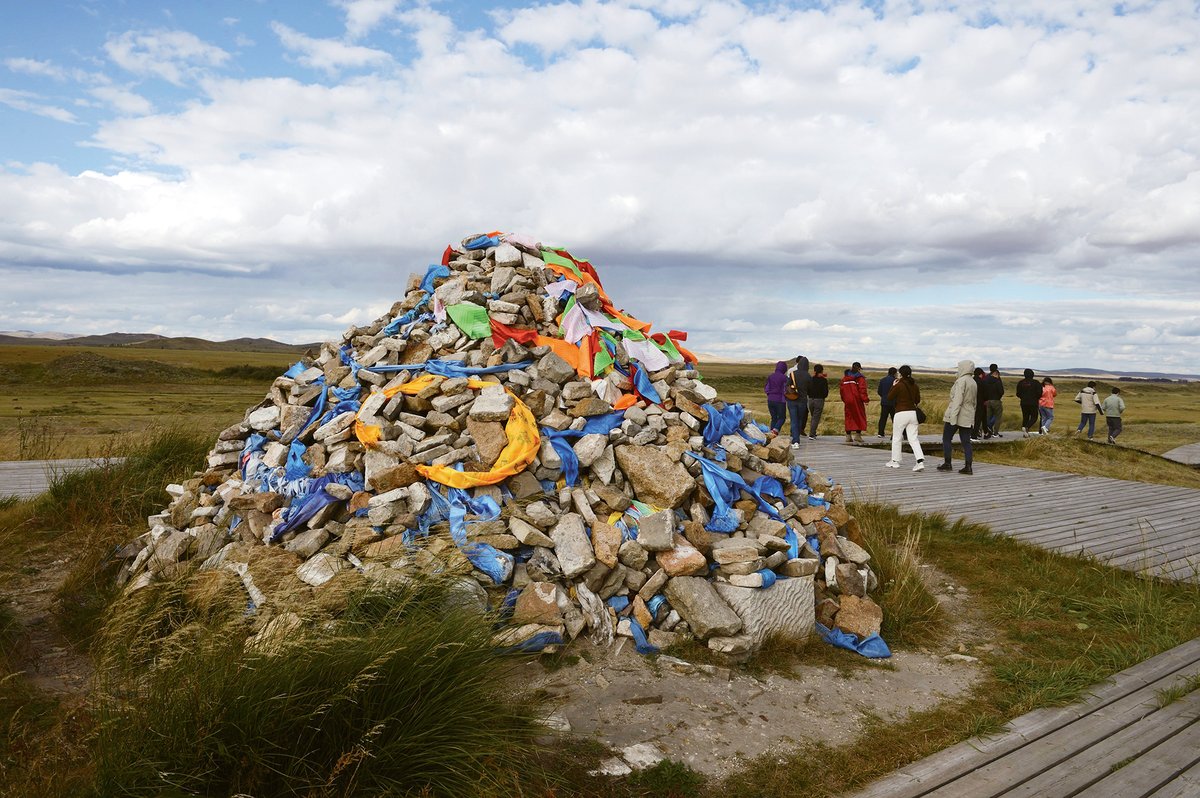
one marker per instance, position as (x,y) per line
(1073,516)
(920,777)
(1089,766)
(1061,744)
(1185,785)
(1152,770)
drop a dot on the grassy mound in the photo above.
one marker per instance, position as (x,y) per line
(402,695)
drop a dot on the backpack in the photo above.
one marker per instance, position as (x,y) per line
(791,392)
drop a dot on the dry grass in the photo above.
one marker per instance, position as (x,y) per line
(1077,455)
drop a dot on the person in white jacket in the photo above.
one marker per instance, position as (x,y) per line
(959,416)
(1089,404)
(1112,407)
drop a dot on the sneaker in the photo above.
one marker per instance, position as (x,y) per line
(966,470)
(795,444)
(812,437)
(987,436)
(977,440)
(1025,431)
(881,436)
(920,466)
(892,464)
(1111,439)
(997,435)
(945,467)
(1043,431)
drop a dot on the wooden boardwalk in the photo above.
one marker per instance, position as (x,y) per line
(1149,529)
(28,478)
(1126,740)
(1188,455)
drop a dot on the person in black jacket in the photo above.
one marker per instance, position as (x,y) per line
(886,409)
(979,431)
(992,391)
(1029,393)
(818,392)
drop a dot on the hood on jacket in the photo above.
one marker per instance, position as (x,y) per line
(802,363)
(965,368)
(781,367)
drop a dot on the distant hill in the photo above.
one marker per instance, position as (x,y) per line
(153,341)
(53,336)
(1137,375)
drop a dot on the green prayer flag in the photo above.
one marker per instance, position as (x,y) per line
(471,319)
(555,258)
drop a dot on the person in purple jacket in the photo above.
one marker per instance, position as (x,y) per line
(775,401)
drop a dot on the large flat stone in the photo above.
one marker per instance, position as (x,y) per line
(785,608)
(571,546)
(698,602)
(656,479)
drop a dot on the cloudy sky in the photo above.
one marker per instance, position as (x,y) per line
(883,181)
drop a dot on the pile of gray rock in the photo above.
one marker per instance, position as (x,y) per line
(344,475)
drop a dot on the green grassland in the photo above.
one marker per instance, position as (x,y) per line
(91,401)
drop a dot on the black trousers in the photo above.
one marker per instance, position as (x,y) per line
(886,411)
(964,437)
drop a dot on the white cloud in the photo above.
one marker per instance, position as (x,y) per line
(123,100)
(31,103)
(363,16)
(756,165)
(172,55)
(32,66)
(329,55)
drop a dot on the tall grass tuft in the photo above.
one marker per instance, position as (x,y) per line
(122,492)
(404,694)
(38,437)
(95,511)
(912,615)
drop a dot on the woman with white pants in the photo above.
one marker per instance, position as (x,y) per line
(906,396)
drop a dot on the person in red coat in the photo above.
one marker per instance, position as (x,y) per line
(854,402)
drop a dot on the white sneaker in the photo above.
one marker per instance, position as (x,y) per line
(1025,431)
(920,466)
(795,444)
(892,464)
(1044,431)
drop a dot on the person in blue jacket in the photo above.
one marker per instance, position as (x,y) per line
(887,410)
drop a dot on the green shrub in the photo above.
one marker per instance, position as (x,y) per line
(126,491)
(668,779)
(403,694)
(245,371)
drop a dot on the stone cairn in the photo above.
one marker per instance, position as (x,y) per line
(504,423)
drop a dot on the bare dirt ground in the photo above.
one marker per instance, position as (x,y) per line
(713,718)
(47,659)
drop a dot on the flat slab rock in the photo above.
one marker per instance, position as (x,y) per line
(785,608)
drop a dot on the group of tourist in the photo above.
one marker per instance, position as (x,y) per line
(974,413)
